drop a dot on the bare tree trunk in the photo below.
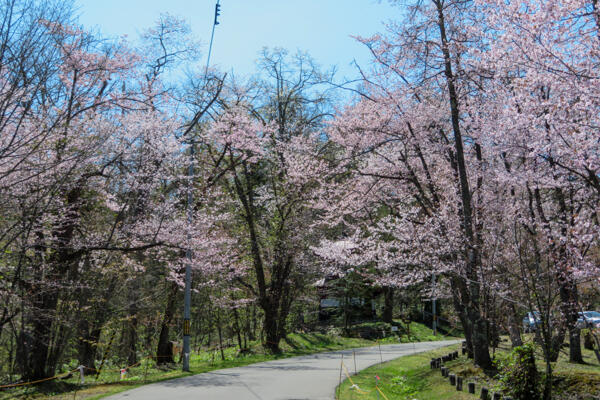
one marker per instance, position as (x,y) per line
(568,290)
(220,332)
(249,334)
(568,296)
(236,320)
(513,326)
(588,341)
(254,324)
(130,338)
(481,353)
(164,351)
(547,395)
(88,344)
(269,298)
(388,304)
(459,296)
(271,329)
(597,346)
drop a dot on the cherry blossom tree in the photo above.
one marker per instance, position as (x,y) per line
(414,156)
(84,177)
(264,149)
(464,128)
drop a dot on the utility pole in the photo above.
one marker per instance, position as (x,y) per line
(187,297)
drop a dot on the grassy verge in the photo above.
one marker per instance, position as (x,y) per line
(410,377)
(421,333)
(404,333)
(109,381)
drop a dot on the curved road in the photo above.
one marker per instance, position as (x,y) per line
(312,377)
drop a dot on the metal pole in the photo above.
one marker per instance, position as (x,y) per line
(187,298)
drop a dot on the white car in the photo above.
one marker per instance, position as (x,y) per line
(588,319)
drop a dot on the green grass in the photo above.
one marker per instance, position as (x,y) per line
(410,377)
(421,333)
(413,332)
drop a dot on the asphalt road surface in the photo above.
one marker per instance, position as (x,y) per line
(312,377)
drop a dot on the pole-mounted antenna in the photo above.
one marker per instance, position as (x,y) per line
(212,35)
(217,12)
(187,297)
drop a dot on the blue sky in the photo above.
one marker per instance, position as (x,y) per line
(321,27)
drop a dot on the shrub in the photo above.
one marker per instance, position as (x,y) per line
(519,375)
(371,330)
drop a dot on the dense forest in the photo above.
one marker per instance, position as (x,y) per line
(465,165)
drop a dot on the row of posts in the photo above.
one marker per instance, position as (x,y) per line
(457,381)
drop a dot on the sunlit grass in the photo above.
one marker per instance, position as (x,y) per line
(410,377)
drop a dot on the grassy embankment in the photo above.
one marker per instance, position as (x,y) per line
(109,381)
(410,377)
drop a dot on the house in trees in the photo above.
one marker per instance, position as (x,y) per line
(345,297)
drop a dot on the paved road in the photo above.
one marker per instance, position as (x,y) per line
(312,377)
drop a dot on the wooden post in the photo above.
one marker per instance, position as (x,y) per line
(471,387)
(459,382)
(452,379)
(485,395)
